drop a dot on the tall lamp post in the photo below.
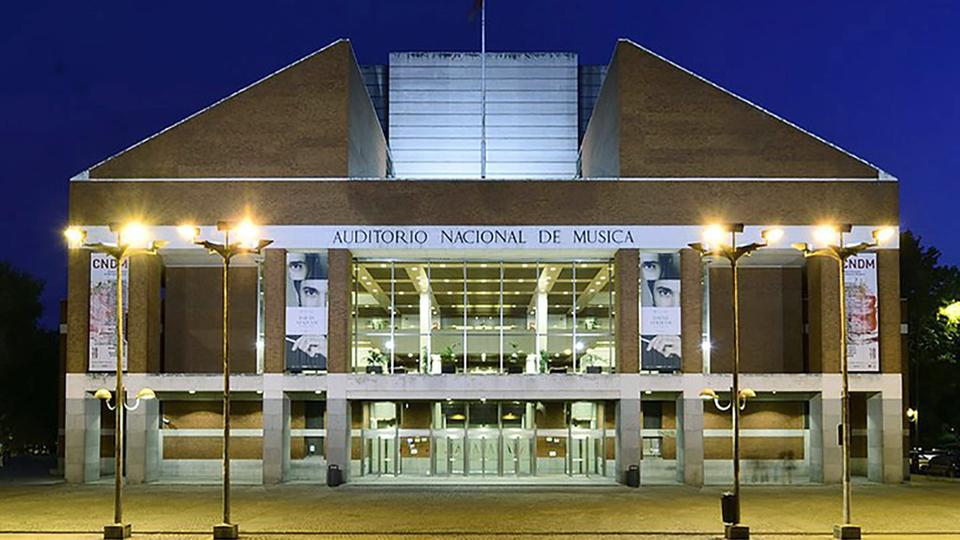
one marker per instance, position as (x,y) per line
(131,240)
(716,245)
(246,241)
(831,236)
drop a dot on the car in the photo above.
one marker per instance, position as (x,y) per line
(944,464)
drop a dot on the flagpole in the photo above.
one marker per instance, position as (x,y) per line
(483,89)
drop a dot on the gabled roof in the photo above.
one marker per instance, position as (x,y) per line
(295,122)
(654,118)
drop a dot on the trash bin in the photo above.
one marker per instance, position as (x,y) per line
(729,508)
(334,476)
(633,476)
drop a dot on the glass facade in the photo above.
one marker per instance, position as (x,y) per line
(483,316)
(487,439)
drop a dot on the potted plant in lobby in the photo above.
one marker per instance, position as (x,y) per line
(375,361)
(544,361)
(449,359)
(424,360)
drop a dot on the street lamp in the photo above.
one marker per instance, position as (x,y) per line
(248,242)
(132,239)
(716,244)
(831,236)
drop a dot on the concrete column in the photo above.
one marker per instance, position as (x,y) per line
(691,311)
(274,310)
(338,424)
(82,439)
(627,275)
(884,438)
(690,438)
(276,435)
(143,443)
(829,418)
(629,446)
(814,450)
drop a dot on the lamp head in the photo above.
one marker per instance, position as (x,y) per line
(146,394)
(74,236)
(134,234)
(188,231)
(747,393)
(801,246)
(826,234)
(912,415)
(708,394)
(884,235)
(772,235)
(102,394)
(716,235)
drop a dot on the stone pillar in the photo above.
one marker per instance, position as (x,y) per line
(274,310)
(338,435)
(143,443)
(82,439)
(338,333)
(691,311)
(814,450)
(629,445)
(884,438)
(144,315)
(627,275)
(690,438)
(830,416)
(276,433)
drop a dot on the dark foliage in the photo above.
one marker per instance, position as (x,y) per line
(29,365)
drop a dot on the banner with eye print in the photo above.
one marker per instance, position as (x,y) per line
(103,312)
(660,311)
(306,312)
(863,321)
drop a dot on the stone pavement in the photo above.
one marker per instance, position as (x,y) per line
(925,508)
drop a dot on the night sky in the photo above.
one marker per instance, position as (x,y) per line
(82,80)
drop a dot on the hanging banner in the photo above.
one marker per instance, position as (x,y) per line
(863,321)
(103,312)
(660,311)
(306,312)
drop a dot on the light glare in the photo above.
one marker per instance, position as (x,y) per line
(75,236)
(715,235)
(826,235)
(247,234)
(135,235)
(188,231)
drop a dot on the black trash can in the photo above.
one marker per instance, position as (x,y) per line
(632,476)
(334,476)
(729,508)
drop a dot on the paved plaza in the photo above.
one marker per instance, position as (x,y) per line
(925,508)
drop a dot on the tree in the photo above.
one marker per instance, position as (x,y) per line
(933,339)
(29,366)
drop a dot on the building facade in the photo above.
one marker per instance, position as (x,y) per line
(486,280)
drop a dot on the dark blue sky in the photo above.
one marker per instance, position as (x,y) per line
(82,80)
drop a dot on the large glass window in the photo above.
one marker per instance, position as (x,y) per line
(483,316)
(488,439)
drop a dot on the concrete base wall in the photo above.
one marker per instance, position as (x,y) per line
(821,454)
